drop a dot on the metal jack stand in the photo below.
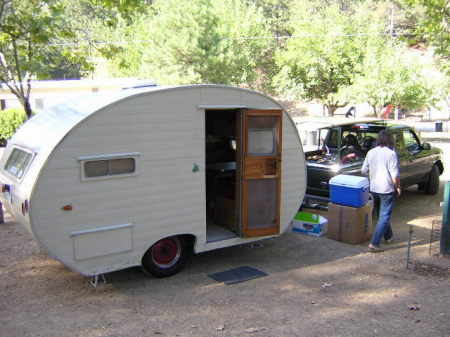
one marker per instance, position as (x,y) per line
(94,281)
(408,254)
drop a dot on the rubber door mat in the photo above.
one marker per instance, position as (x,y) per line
(237,275)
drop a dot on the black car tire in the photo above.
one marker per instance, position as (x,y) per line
(166,257)
(432,185)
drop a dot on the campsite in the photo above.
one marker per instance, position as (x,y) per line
(314,287)
(267,168)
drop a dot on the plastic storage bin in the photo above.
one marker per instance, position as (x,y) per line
(310,224)
(349,190)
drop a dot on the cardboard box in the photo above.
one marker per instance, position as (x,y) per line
(310,224)
(350,224)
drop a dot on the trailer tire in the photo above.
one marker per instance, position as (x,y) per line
(432,185)
(166,257)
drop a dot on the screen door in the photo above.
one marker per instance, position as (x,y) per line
(261,177)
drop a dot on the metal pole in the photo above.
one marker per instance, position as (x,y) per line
(445,231)
(2,219)
(408,253)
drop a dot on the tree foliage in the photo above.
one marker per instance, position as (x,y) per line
(392,75)
(331,51)
(40,37)
(10,120)
(323,55)
(433,25)
(194,41)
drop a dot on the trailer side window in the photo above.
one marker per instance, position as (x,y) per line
(110,167)
(18,162)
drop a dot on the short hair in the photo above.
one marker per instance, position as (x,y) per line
(384,139)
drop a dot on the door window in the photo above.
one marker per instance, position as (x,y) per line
(262,140)
(411,142)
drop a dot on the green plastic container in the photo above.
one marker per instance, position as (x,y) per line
(307,217)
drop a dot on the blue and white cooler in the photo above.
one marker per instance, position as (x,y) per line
(349,190)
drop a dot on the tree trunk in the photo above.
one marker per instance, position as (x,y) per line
(331,108)
(375,110)
(27,108)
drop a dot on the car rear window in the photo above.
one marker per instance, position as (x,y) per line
(18,162)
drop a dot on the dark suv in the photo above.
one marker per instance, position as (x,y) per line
(343,147)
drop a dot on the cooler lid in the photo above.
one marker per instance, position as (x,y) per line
(349,181)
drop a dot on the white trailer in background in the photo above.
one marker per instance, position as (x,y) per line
(108,181)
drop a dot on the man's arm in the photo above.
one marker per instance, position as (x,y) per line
(365,166)
(394,172)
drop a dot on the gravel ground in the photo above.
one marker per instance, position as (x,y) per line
(314,287)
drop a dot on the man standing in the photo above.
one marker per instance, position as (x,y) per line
(381,164)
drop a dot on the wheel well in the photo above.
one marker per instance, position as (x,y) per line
(440,166)
(189,239)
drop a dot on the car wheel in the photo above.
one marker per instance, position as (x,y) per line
(432,185)
(166,257)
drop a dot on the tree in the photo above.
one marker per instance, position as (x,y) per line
(26,29)
(323,54)
(432,23)
(398,76)
(37,36)
(192,41)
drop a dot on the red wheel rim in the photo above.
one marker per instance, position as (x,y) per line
(166,252)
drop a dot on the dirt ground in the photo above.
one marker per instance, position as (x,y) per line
(314,287)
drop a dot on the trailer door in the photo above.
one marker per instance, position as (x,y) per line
(261,174)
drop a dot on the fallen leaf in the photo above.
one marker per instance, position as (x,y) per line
(326,284)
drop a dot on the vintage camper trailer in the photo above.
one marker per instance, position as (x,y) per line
(140,177)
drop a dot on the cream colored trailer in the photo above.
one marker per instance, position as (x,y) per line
(107,181)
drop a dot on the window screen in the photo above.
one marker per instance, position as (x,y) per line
(18,162)
(110,167)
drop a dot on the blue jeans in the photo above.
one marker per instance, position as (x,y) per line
(383,227)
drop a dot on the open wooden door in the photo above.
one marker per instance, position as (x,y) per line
(261,172)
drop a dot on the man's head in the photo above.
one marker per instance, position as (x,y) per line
(384,139)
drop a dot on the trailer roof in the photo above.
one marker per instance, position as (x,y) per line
(47,128)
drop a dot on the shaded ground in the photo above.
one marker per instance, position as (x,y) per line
(315,287)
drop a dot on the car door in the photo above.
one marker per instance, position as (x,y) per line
(403,157)
(417,160)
